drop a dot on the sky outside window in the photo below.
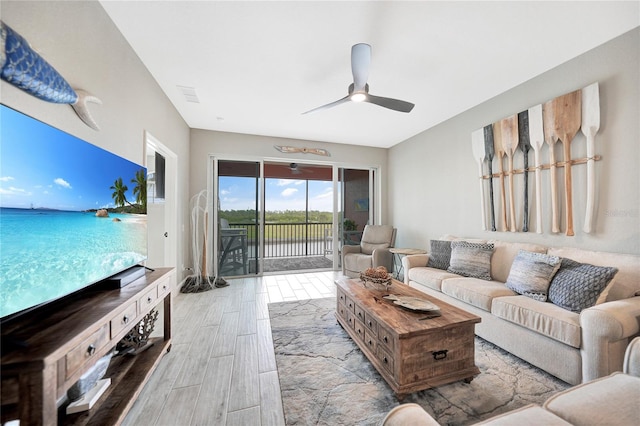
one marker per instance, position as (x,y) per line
(239,193)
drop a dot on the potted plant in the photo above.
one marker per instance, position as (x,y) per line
(350,225)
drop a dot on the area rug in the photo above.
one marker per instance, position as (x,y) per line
(326,380)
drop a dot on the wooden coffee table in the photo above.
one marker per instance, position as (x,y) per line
(409,353)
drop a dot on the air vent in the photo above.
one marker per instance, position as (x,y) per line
(189,94)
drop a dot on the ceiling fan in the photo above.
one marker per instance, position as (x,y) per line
(296,169)
(359,89)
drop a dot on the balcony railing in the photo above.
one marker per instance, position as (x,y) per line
(290,239)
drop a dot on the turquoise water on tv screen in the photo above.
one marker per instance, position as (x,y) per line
(47,254)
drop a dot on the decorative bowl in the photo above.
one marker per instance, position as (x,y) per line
(376,283)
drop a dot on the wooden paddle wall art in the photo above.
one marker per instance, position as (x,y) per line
(497,145)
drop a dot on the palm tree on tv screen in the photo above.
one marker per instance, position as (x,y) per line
(140,190)
(119,190)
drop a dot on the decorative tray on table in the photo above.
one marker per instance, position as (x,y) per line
(413,303)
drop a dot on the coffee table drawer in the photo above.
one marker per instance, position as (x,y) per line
(351,320)
(360,314)
(385,359)
(371,324)
(370,340)
(385,338)
(351,305)
(342,298)
(342,310)
(360,329)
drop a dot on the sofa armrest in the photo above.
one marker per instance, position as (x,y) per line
(413,261)
(346,249)
(606,331)
(382,257)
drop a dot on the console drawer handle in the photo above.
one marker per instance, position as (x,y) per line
(386,361)
(125,319)
(149,299)
(438,355)
(91,350)
(385,339)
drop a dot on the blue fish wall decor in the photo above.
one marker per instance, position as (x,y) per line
(22,67)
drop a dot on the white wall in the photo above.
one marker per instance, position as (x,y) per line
(433,177)
(81,42)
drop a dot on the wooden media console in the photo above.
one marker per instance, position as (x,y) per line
(47,350)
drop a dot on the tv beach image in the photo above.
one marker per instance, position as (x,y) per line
(71,214)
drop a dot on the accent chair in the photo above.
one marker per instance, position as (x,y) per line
(373,250)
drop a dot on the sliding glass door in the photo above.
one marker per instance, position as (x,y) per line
(238,217)
(274,216)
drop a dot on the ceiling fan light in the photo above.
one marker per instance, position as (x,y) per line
(358,97)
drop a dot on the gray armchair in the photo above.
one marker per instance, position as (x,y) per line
(372,252)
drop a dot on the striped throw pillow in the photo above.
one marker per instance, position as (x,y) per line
(471,259)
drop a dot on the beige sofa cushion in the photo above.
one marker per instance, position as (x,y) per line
(529,415)
(626,282)
(503,255)
(545,318)
(475,291)
(611,400)
(430,277)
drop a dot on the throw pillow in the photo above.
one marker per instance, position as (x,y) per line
(440,254)
(471,259)
(576,286)
(531,274)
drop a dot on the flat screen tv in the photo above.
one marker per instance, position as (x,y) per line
(71,214)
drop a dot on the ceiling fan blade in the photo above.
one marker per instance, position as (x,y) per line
(390,103)
(360,62)
(327,106)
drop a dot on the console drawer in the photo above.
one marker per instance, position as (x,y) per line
(124,319)
(148,299)
(164,287)
(85,350)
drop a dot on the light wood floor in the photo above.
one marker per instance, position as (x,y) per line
(221,369)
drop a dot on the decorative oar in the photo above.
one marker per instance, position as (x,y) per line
(567,119)
(489,151)
(477,144)
(509,128)
(536,138)
(590,126)
(550,138)
(525,146)
(497,143)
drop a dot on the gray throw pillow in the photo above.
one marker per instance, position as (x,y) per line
(576,286)
(531,274)
(471,259)
(440,254)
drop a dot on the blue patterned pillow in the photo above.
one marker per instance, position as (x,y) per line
(471,259)
(440,254)
(576,286)
(531,274)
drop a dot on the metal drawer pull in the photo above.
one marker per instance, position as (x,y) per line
(385,339)
(149,299)
(91,350)
(386,361)
(438,355)
(370,324)
(360,314)
(125,319)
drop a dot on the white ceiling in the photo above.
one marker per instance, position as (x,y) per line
(256,66)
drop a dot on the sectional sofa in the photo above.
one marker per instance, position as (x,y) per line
(572,342)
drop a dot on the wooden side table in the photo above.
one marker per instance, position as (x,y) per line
(397,258)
